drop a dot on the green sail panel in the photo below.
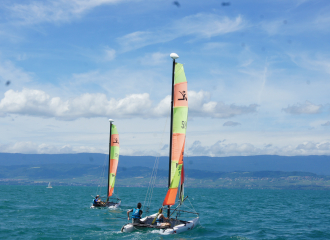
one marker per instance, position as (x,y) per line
(179,76)
(180,116)
(112,179)
(176,177)
(114,152)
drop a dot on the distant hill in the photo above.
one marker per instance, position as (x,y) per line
(313,164)
(91,175)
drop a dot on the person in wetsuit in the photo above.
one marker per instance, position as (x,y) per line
(136,215)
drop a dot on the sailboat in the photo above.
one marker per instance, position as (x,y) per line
(179,117)
(111,201)
(49,186)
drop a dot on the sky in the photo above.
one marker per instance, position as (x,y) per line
(258,75)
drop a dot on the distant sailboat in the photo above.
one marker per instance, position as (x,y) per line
(112,169)
(179,117)
(49,185)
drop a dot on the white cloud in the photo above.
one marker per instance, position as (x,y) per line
(199,25)
(39,103)
(316,62)
(215,45)
(54,11)
(223,149)
(303,108)
(322,21)
(153,59)
(326,123)
(218,149)
(110,54)
(231,124)
(275,27)
(43,148)
(198,106)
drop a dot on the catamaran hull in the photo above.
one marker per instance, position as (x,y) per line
(109,205)
(129,226)
(175,230)
(181,228)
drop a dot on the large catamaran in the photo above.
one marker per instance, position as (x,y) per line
(179,117)
(111,201)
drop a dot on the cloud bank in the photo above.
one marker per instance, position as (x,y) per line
(223,149)
(303,108)
(231,124)
(200,25)
(218,149)
(38,103)
(54,11)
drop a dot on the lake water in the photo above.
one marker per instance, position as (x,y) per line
(63,212)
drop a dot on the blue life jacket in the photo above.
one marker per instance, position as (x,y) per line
(159,220)
(136,213)
(95,201)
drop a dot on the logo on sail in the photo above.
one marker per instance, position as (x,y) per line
(183,93)
(184,125)
(116,140)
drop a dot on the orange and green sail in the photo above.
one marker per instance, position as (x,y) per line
(180,116)
(114,157)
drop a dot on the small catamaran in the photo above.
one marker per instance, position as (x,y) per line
(112,169)
(179,117)
(49,185)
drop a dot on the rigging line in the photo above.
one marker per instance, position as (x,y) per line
(101,178)
(192,205)
(150,184)
(154,171)
(157,160)
(154,181)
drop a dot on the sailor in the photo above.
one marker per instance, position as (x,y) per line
(97,200)
(136,215)
(160,219)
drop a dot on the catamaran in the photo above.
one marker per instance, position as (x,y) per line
(111,201)
(49,186)
(179,117)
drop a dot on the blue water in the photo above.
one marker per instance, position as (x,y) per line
(63,212)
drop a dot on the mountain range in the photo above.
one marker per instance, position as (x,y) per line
(314,164)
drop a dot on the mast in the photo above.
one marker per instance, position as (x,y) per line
(111,121)
(173,56)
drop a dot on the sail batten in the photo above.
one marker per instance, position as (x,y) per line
(114,158)
(179,121)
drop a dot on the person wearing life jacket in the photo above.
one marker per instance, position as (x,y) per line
(97,201)
(136,215)
(160,218)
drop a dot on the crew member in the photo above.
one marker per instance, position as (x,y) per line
(136,215)
(160,219)
(97,200)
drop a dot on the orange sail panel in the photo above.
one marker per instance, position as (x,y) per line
(114,158)
(180,116)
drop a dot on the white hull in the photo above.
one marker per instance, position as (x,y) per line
(181,227)
(130,228)
(176,229)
